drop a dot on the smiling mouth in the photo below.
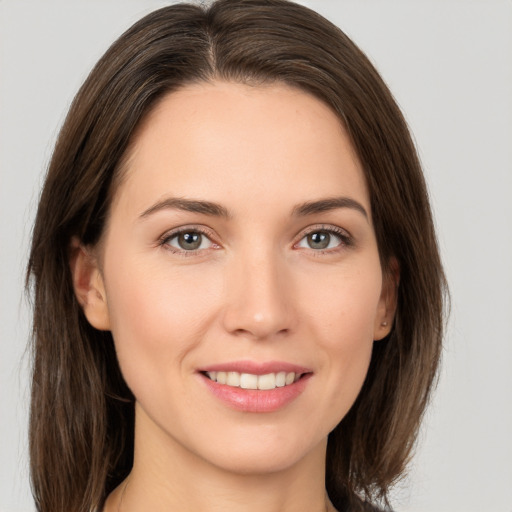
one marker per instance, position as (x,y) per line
(252,381)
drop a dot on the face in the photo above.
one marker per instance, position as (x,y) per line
(240,254)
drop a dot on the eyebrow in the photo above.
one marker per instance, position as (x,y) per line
(187,205)
(217,210)
(328,204)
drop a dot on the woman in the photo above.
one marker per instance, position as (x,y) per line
(238,293)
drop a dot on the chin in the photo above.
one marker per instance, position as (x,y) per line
(263,452)
(256,464)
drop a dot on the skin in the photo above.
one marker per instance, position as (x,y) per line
(254,290)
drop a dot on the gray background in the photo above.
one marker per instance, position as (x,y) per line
(449,64)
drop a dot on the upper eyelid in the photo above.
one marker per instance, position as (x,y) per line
(163,242)
(210,234)
(204,230)
(324,227)
(172,233)
(346,239)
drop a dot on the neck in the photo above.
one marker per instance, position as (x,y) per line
(167,476)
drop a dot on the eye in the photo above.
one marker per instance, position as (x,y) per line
(323,239)
(190,240)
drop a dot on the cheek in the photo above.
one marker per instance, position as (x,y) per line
(157,315)
(342,303)
(341,310)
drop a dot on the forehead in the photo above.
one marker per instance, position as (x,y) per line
(230,138)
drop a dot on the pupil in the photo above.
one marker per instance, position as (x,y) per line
(189,241)
(319,240)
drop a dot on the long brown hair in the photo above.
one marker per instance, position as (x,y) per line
(82,412)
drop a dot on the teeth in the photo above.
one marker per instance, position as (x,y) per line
(250,381)
(267,381)
(233,379)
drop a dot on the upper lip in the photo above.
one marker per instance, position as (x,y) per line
(256,367)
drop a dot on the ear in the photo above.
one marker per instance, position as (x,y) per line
(88,285)
(388,300)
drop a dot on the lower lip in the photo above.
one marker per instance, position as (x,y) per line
(254,400)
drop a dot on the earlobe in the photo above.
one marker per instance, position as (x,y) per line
(88,285)
(388,301)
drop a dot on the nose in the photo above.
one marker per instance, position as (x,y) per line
(258,298)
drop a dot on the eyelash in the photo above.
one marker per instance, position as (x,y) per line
(167,237)
(346,240)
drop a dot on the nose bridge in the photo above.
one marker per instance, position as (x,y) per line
(257,288)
